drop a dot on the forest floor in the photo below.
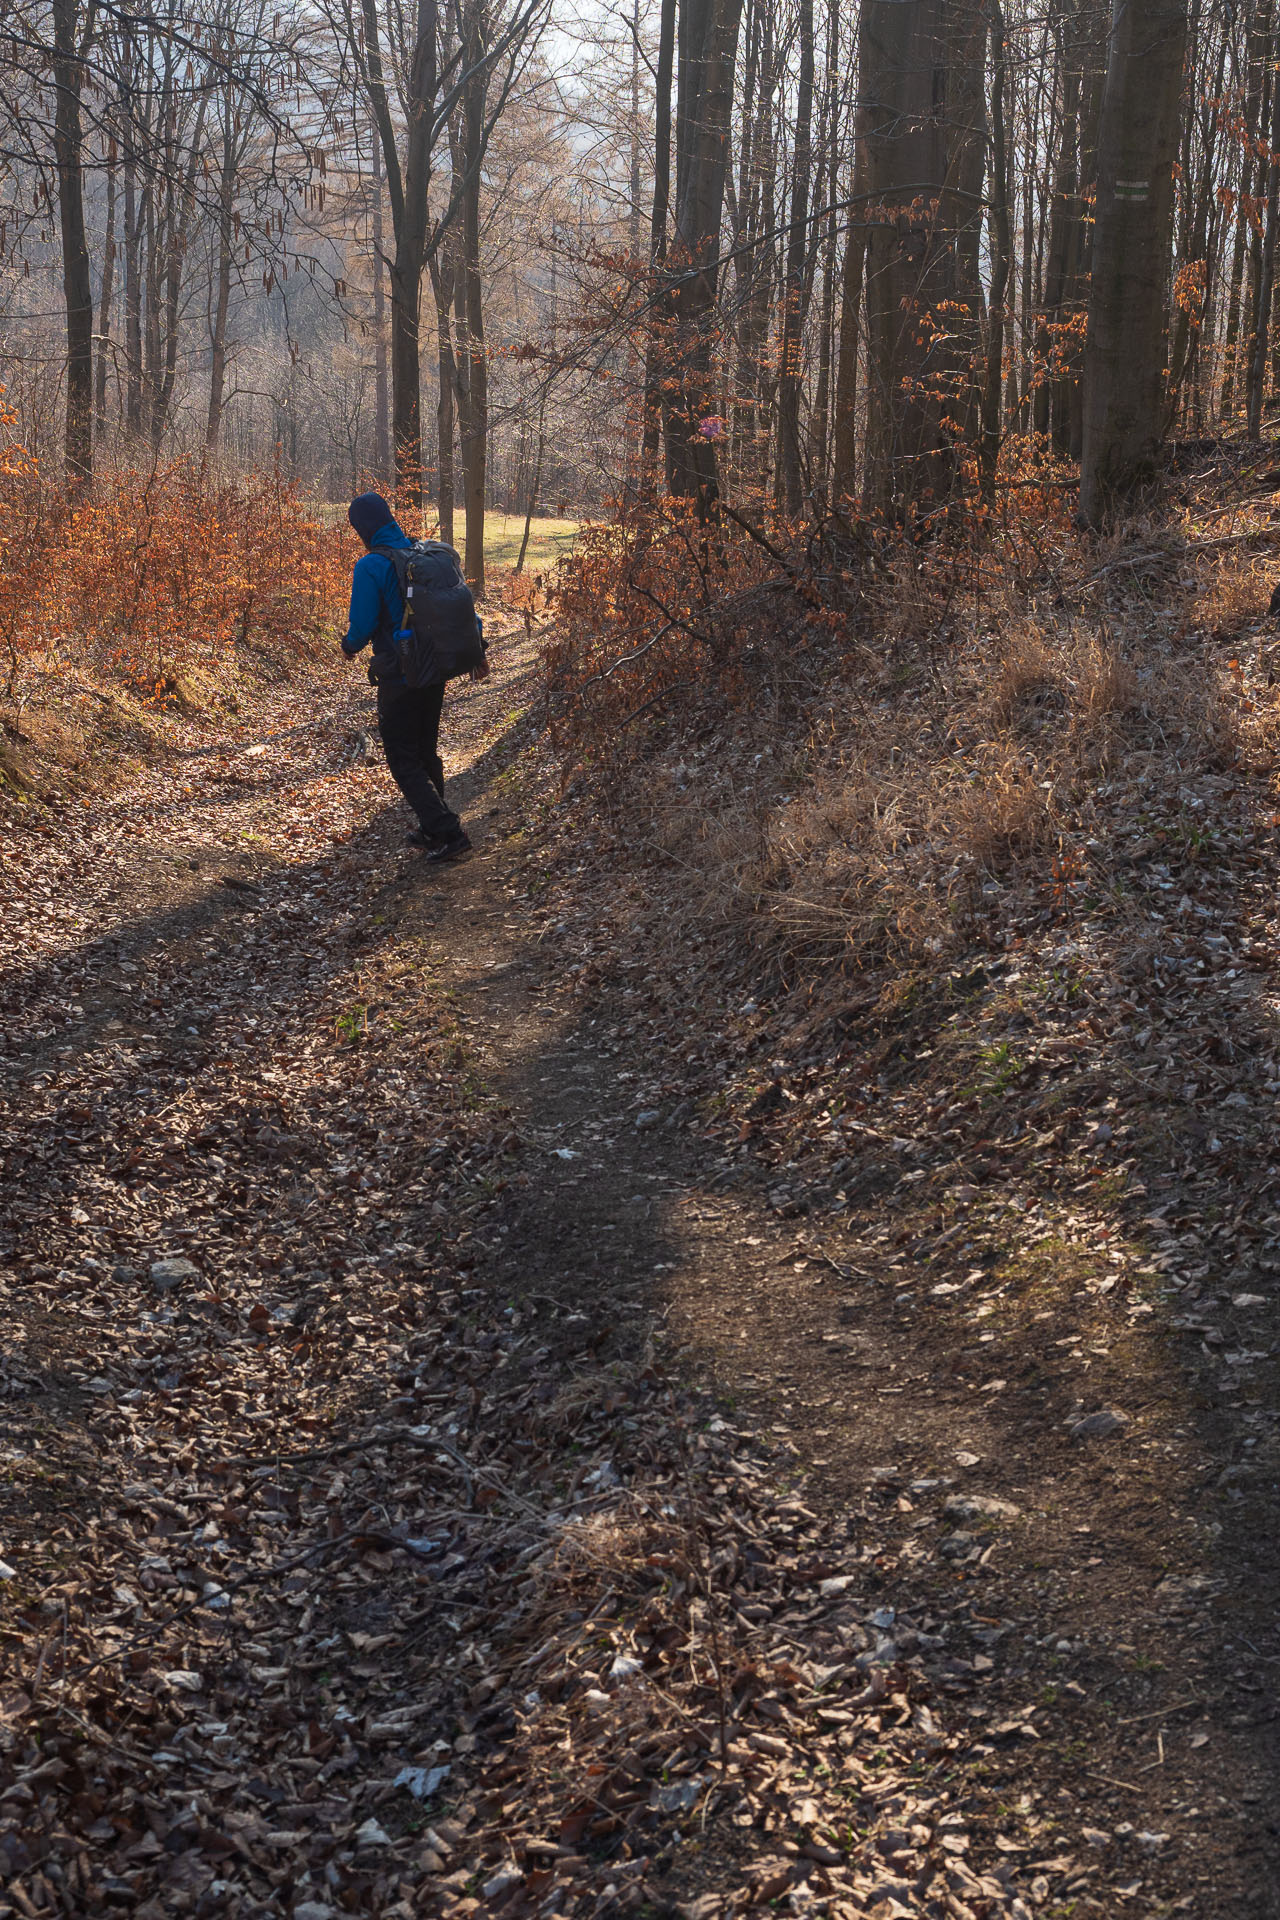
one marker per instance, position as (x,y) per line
(446,1474)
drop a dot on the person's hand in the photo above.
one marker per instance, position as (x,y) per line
(482,671)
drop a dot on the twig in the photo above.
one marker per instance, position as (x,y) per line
(607,673)
(646,705)
(1157,1713)
(760,539)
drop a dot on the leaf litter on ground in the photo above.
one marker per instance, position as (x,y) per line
(334,1585)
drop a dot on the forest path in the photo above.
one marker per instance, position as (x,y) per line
(247,1029)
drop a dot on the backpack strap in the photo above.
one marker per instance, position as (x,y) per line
(399,558)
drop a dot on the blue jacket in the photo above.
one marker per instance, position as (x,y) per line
(377,606)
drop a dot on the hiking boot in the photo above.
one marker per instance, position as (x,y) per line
(457,847)
(420,839)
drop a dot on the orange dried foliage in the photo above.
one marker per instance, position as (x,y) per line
(157,569)
(651,603)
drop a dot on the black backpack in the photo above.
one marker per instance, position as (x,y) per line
(440,635)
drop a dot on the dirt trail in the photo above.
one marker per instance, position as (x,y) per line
(178,965)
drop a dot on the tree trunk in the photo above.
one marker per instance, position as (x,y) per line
(915,90)
(1199,180)
(151,301)
(791,375)
(1259,31)
(473,368)
(820,424)
(756,245)
(708,47)
(222,287)
(844,450)
(1235,285)
(1256,227)
(1000,245)
(182,205)
(407,189)
(132,297)
(77,283)
(655,352)
(1093,62)
(382,416)
(535,483)
(1125,350)
(844,477)
(1266,279)
(1064,213)
(104,299)
(442,283)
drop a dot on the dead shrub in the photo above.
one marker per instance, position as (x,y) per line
(1028,683)
(887,799)
(1236,594)
(1105,683)
(1004,814)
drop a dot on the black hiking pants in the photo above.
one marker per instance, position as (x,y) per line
(409,723)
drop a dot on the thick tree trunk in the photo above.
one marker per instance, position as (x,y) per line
(915,110)
(77,283)
(708,48)
(1125,351)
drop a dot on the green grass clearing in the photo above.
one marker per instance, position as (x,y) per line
(549,540)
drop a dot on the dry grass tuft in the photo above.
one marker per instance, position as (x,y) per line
(885,799)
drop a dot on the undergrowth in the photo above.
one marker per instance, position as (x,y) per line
(843,750)
(154,573)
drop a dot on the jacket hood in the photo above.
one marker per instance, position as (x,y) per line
(372,518)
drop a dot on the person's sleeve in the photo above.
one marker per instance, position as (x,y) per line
(362,622)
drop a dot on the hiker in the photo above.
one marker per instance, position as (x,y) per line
(415,654)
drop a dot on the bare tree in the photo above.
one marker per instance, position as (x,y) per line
(707,49)
(1125,355)
(918,66)
(411,75)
